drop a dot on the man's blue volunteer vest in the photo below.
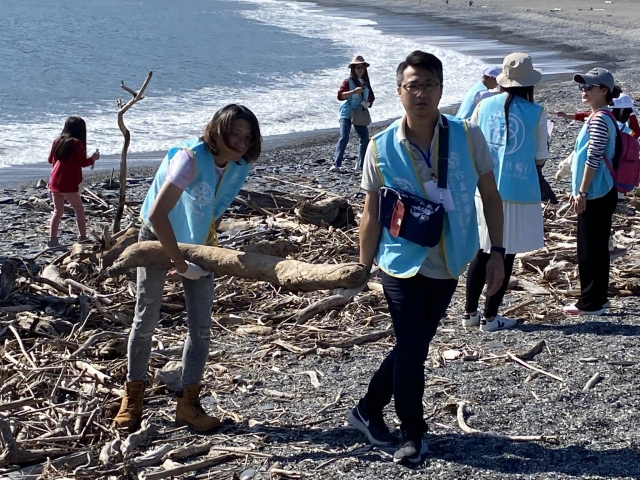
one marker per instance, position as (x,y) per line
(354,101)
(401,258)
(515,162)
(204,200)
(602,181)
(468,102)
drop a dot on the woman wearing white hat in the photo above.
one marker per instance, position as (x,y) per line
(357,97)
(516,131)
(624,110)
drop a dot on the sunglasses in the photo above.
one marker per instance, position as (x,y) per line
(587,88)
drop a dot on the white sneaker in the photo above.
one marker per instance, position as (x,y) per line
(471,320)
(497,324)
(571,309)
(334,169)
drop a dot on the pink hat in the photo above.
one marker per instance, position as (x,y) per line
(358,60)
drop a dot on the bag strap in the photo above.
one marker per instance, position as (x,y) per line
(608,113)
(443,152)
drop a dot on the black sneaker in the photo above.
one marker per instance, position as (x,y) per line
(373,427)
(411,450)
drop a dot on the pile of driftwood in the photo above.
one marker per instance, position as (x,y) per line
(65,322)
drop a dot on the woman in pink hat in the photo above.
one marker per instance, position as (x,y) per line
(357,97)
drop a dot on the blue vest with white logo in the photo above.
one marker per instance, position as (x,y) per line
(602,181)
(624,128)
(515,161)
(204,200)
(468,102)
(401,258)
(354,101)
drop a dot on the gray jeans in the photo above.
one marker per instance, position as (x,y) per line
(199,298)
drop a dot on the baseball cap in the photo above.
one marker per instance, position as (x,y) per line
(623,101)
(596,76)
(492,72)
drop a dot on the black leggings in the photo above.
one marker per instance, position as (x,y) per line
(477,275)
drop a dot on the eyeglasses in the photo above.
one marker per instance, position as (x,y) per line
(361,67)
(587,88)
(415,88)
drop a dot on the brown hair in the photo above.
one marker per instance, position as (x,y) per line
(220,127)
(74,129)
(354,76)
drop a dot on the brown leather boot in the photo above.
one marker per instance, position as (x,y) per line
(190,412)
(131,408)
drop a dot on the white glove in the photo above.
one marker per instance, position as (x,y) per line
(193,272)
(349,292)
(564,167)
(365,104)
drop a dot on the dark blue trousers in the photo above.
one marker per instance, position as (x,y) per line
(416,306)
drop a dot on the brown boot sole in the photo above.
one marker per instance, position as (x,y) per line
(184,423)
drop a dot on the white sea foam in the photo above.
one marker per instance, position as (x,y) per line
(305,101)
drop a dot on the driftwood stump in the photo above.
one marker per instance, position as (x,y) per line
(291,274)
(334,211)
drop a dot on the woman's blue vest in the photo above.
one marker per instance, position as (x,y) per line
(204,200)
(468,102)
(624,128)
(602,181)
(401,258)
(354,101)
(515,159)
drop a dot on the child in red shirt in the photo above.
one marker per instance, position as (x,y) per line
(68,155)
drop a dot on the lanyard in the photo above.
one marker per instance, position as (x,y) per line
(426,157)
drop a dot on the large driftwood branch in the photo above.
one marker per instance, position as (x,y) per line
(290,274)
(137,96)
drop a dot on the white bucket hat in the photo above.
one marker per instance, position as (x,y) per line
(624,101)
(518,71)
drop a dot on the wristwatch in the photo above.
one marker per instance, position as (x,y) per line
(582,194)
(502,251)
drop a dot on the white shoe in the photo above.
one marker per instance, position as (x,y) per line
(471,320)
(334,169)
(497,324)
(571,309)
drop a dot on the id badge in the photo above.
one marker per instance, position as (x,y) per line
(396,219)
(434,193)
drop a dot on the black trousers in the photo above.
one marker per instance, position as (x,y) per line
(476,277)
(594,228)
(416,306)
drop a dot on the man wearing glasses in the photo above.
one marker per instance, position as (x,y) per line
(419,282)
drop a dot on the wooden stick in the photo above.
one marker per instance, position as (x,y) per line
(189,467)
(514,438)
(593,381)
(535,369)
(24,352)
(92,371)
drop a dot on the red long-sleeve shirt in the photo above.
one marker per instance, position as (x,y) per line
(67,174)
(345,88)
(633,122)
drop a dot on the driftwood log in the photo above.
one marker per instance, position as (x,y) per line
(291,274)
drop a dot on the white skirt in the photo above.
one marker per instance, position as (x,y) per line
(523,229)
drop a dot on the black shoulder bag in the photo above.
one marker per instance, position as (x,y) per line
(412,217)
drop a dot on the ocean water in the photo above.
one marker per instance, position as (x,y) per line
(284,60)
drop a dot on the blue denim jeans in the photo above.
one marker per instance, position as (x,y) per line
(199,299)
(345,130)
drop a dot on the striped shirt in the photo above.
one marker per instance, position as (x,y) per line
(598,139)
